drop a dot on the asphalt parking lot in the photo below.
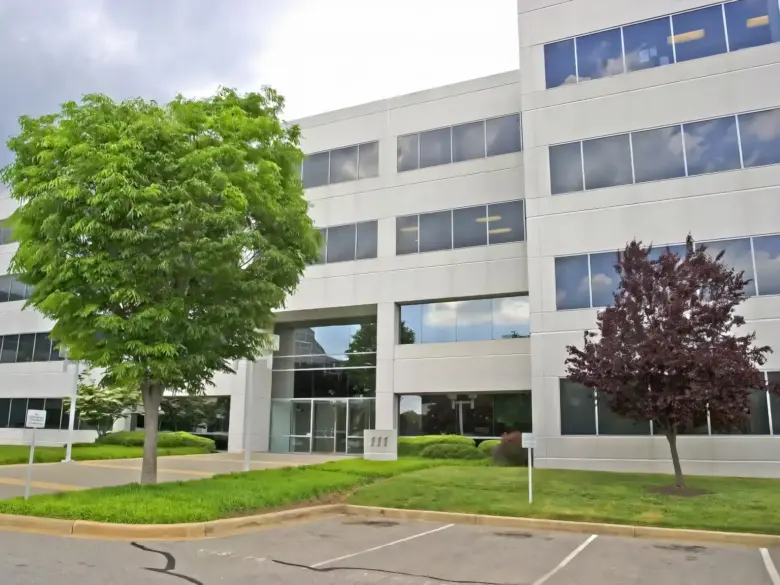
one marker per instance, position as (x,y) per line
(345,550)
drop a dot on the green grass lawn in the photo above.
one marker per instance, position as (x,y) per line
(11,454)
(734,504)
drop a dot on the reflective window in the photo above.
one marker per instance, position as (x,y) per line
(18,413)
(604,278)
(648,45)
(406,234)
(658,154)
(26,347)
(368,162)
(767,258)
(5,288)
(578,409)
(774,402)
(334,341)
(699,33)
(752,23)
(436,231)
(611,423)
(6,236)
(758,422)
(341,243)
(711,145)
(53,408)
(466,320)
(737,254)
(599,55)
(566,168)
(607,162)
(571,282)
(435,147)
(42,351)
(760,136)
(469,227)
(323,245)
(5,409)
(344,164)
(559,66)
(468,141)
(316,170)
(503,135)
(8,353)
(366,240)
(506,222)
(18,290)
(408,152)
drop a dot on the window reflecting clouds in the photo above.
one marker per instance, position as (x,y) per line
(752,23)
(572,289)
(348,242)
(503,135)
(607,162)
(658,154)
(599,55)
(566,168)
(408,152)
(760,135)
(604,279)
(344,164)
(435,147)
(648,44)
(711,145)
(767,258)
(468,141)
(559,63)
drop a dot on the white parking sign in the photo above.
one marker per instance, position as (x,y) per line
(36,419)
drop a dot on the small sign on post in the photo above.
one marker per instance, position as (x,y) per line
(529,442)
(36,419)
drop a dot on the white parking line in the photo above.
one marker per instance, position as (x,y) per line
(381,546)
(770,567)
(546,577)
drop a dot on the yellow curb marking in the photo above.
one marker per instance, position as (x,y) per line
(44,485)
(129,468)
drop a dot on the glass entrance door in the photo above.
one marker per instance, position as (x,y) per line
(325,426)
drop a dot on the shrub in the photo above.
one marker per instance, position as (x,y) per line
(164,440)
(452,451)
(410,446)
(488,446)
(510,451)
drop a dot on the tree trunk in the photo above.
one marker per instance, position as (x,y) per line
(679,481)
(152,396)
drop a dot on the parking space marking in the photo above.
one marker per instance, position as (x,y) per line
(381,546)
(547,576)
(770,567)
(44,485)
(135,468)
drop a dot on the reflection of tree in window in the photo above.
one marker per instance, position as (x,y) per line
(599,55)
(760,136)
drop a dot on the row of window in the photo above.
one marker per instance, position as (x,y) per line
(13,412)
(582,413)
(590,280)
(670,39)
(481,225)
(13,290)
(350,163)
(467,320)
(354,241)
(28,347)
(469,141)
(683,150)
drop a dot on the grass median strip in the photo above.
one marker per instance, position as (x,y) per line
(732,504)
(15,454)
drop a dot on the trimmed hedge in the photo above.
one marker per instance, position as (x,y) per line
(487,446)
(452,451)
(413,446)
(164,440)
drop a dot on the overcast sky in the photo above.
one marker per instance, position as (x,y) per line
(320,54)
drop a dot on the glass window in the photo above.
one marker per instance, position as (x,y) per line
(18,290)
(323,245)
(607,162)
(439,322)
(366,240)
(475,414)
(42,351)
(599,55)
(559,67)
(512,412)
(758,423)
(341,243)
(435,231)
(699,33)
(410,415)
(408,152)
(361,417)
(435,147)
(8,353)
(752,23)
(469,226)
(511,317)
(53,408)
(506,222)
(411,324)
(474,320)
(604,279)
(315,170)
(18,413)
(468,141)
(5,410)
(648,44)
(658,154)
(774,402)
(344,164)
(578,409)
(611,423)
(368,165)
(503,135)
(406,234)
(26,347)
(736,254)
(711,145)
(566,168)
(571,282)
(767,258)
(760,136)
(5,288)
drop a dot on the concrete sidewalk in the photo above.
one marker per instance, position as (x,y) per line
(61,477)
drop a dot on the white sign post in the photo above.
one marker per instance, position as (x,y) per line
(36,419)
(529,442)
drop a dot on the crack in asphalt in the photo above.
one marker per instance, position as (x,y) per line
(170,564)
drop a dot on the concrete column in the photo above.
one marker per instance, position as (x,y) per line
(261,405)
(236,432)
(386,340)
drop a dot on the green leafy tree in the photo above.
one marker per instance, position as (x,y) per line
(160,238)
(361,353)
(186,413)
(101,406)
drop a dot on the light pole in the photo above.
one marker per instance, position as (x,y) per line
(72,413)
